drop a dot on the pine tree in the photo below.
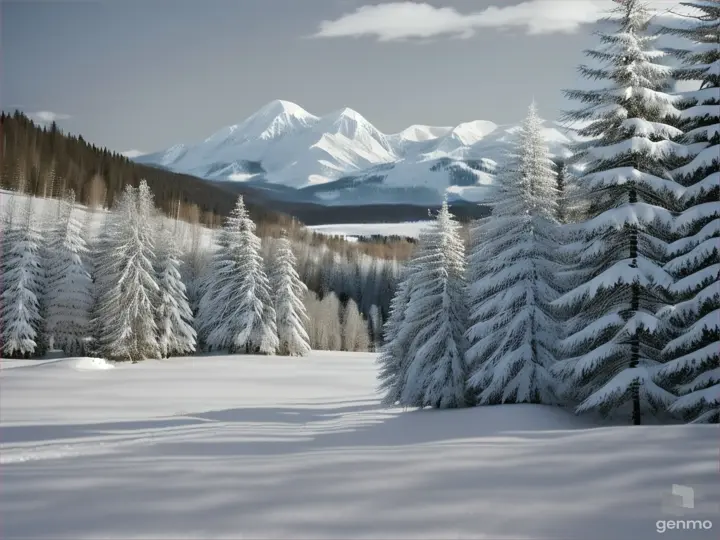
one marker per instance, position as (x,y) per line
(128,290)
(513,266)
(176,335)
(436,318)
(22,278)
(288,292)
(393,359)
(562,210)
(612,350)
(694,353)
(236,307)
(69,285)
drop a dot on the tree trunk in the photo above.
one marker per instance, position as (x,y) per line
(635,339)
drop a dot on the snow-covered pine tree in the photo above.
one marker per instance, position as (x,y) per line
(218,289)
(236,310)
(99,246)
(612,349)
(512,280)
(393,359)
(436,317)
(260,328)
(128,290)
(288,293)
(694,353)
(176,335)
(562,174)
(22,281)
(68,297)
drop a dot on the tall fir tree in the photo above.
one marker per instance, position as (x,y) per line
(562,175)
(126,318)
(436,317)
(513,332)
(288,293)
(612,349)
(694,353)
(393,358)
(22,282)
(236,310)
(176,335)
(69,285)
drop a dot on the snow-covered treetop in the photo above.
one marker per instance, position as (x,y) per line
(638,80)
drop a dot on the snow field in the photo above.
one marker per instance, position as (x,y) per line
(278,447)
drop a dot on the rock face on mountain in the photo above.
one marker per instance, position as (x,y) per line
(341,158)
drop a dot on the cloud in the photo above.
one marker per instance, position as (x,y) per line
(132,153)
(413,20)
(47,117)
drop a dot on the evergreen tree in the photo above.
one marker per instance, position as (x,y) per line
(176,335)
(562,174)
(694,353)
(126,324)
(69,285)
(513,265)
(393,359)
(612,350)
(436,318)
(22,280)
(288,292)
(236,308)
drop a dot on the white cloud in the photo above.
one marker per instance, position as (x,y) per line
(412,20)
(132,153)
(47,117)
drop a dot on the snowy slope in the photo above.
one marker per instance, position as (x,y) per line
(342,158)
(271,447)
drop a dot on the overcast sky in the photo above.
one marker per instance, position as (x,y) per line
(146,74)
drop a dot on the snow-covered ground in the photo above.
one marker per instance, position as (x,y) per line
(271,447)
(353,230)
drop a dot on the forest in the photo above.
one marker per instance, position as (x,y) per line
(593,287)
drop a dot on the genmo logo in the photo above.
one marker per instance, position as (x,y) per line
(682,525)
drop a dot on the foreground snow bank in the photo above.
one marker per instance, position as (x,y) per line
(270,447)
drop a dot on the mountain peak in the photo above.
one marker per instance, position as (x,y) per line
(281,106)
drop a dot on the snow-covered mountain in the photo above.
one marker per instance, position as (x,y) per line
(341,158)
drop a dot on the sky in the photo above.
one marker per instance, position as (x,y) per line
(142,75)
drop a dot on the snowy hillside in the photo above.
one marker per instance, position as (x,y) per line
(272,447)
(341,158)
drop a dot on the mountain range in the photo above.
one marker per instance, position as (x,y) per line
(341,159)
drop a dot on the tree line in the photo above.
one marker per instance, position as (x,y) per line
(131,284)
